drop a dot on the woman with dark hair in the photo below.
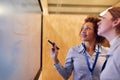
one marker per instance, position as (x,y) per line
(86,59)
(109,27)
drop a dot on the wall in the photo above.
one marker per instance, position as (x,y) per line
(64,31)
(19,46)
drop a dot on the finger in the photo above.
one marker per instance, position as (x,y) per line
(55,46)
(53,49)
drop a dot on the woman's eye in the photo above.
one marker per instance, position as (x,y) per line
(88,28)
(103,17)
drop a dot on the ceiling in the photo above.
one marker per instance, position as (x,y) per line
(77,6)
(56,6)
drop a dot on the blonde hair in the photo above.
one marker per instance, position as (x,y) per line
(115,12)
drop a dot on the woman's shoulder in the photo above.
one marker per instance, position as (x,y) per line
(104,50)
(77,48)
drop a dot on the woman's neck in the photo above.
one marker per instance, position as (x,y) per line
(90,47)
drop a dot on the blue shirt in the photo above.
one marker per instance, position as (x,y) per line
(112,69)
(76,63)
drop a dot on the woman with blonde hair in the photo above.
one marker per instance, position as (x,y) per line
(109,27)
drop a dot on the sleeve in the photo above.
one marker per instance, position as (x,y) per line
(65,71)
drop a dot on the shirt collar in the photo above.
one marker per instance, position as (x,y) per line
(113,43)
(98,48)
(113,40)
(82,49)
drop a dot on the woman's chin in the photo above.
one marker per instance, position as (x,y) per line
(99,33)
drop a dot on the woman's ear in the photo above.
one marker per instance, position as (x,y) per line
(116,22)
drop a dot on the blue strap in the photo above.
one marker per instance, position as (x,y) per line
(105,63)
(96,58)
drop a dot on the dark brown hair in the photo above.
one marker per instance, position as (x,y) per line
(95,20)
(115,12)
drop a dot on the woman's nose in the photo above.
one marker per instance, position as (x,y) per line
(83,31)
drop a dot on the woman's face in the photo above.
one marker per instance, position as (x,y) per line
(105,25)
(87,32)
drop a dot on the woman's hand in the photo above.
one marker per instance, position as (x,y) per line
(54,53)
